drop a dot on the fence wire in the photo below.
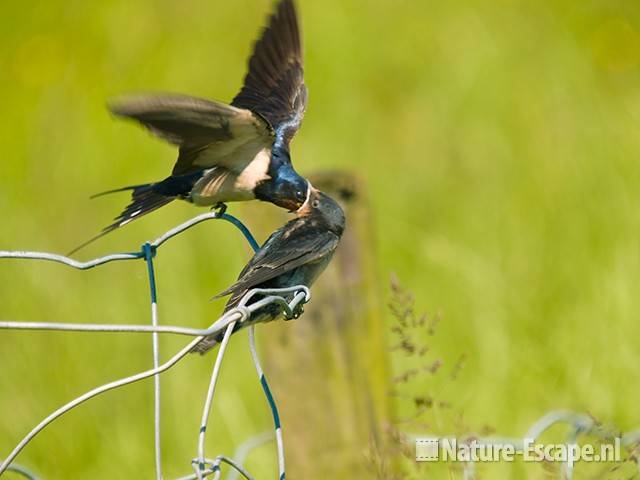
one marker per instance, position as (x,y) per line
(202,465)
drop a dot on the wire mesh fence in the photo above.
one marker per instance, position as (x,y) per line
(202,465)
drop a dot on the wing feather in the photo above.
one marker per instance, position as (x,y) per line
(281,254)
(199,127)
(274,85)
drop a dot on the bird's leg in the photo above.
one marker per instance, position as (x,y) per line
(219,208)
(297,312)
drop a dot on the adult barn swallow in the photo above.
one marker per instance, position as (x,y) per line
(295,254)
(230,152)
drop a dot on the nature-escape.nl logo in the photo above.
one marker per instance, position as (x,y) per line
(452,450)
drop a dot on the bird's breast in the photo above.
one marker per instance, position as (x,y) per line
(255,172)
(220,184)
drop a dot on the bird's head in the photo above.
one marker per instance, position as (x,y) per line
(321,207)
(285,188)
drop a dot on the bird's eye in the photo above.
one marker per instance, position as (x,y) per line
(300,195)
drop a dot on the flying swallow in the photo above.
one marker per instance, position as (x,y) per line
(233,152)
(295,254)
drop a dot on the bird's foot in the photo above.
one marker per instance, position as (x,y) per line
(220,208)
(297,312)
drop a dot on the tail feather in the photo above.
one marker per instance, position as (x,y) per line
(211,341)
(121,189)
(144,199)
(207,343)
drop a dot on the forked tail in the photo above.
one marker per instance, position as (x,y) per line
(144,199)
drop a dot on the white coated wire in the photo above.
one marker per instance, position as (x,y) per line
(203,466)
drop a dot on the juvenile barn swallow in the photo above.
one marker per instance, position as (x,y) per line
(235,152)
(295,254)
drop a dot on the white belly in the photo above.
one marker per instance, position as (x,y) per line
(222,185)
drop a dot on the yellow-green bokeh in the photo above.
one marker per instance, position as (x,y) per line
(500,142)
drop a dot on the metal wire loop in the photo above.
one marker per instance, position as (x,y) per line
(289,299)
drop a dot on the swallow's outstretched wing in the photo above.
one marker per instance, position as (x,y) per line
(271,103)
(207,133)
(274,85)
(284,251)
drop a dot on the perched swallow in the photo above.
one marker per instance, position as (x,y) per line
(229,153)
(295,254)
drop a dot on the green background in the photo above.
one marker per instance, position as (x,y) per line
(499,143)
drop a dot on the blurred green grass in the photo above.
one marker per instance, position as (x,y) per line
(500,143)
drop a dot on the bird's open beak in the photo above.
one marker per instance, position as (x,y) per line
(295,206)
(290,204)
(311,194)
